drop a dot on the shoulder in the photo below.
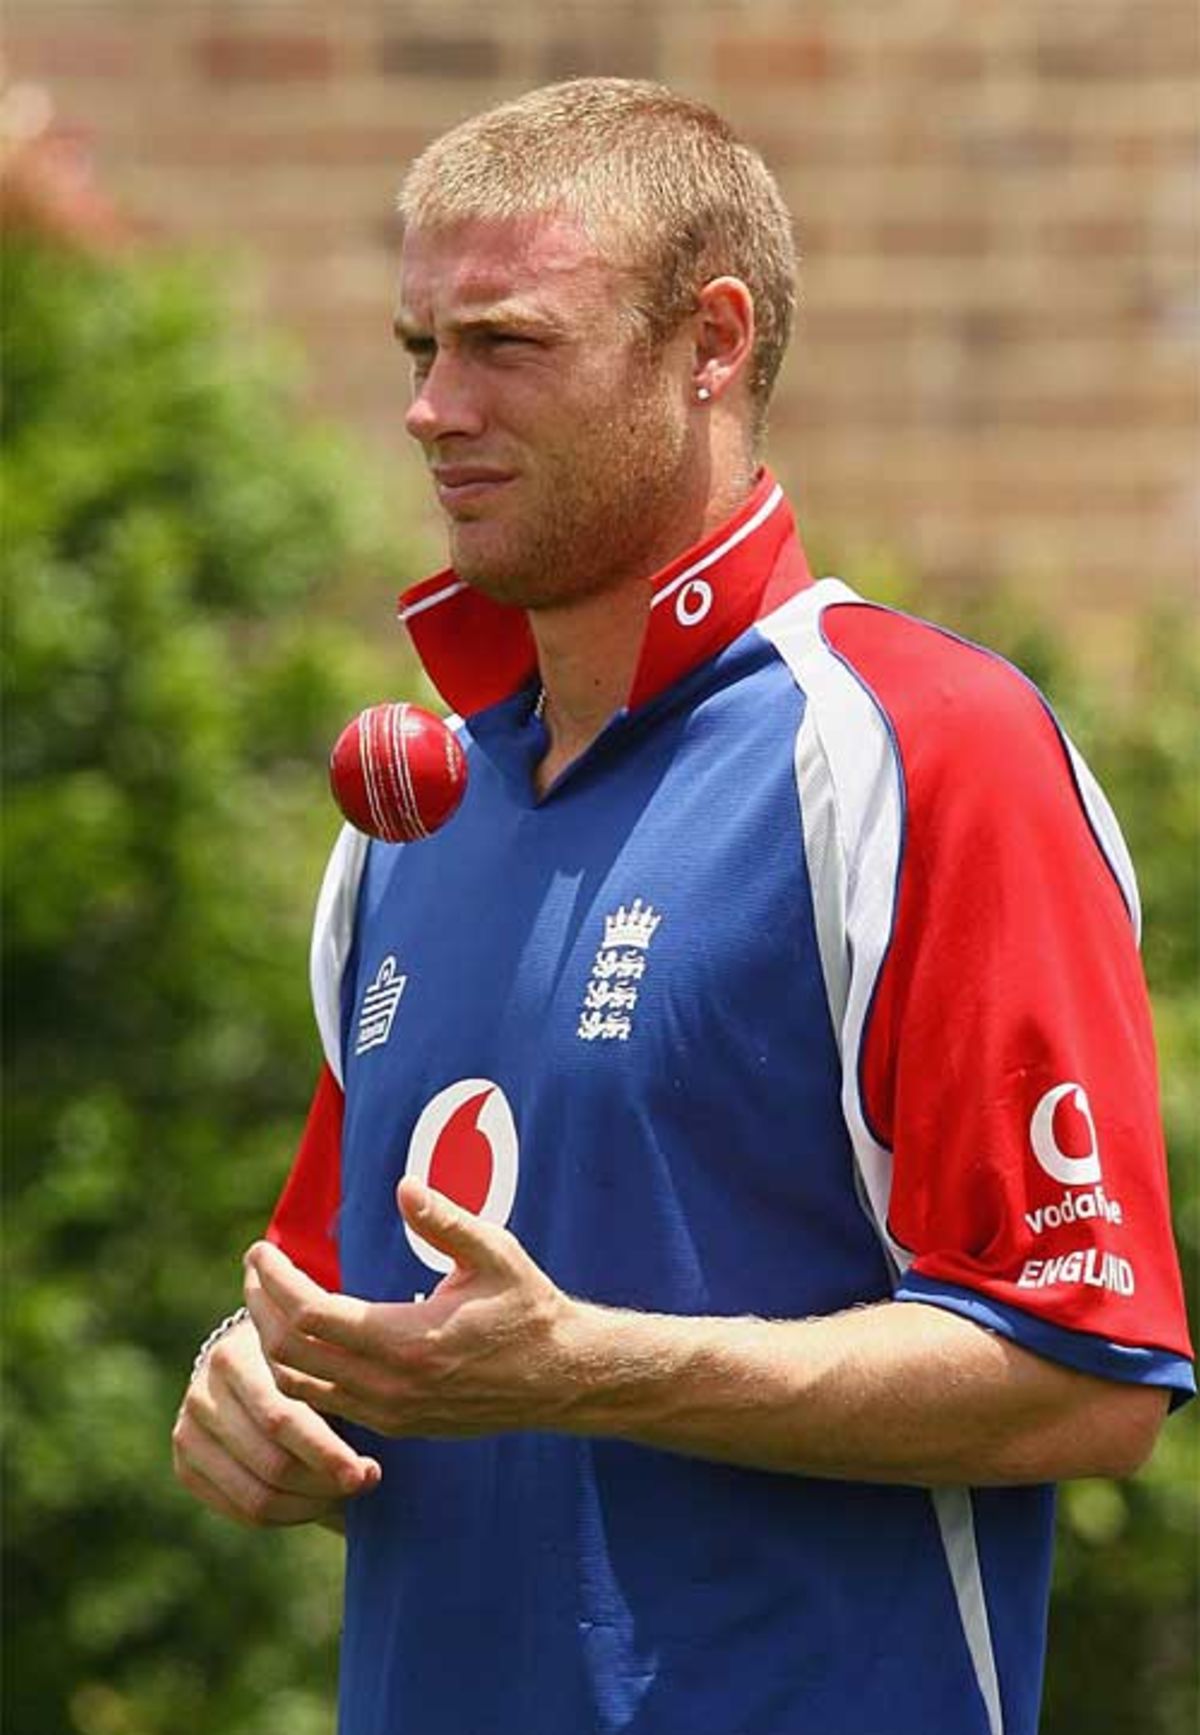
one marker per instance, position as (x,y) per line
(977,746)
(333,938)
(917,674)
(943,713)
(939,743)
(947,702)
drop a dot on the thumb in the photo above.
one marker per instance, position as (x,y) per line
(468,1240)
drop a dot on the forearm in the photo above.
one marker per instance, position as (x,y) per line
(897,1392)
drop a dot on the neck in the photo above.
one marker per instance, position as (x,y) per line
(588,648)
(587,654)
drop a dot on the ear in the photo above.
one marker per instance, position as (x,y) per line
(724,328)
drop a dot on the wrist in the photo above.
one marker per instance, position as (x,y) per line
(623,1373)
(230,1323)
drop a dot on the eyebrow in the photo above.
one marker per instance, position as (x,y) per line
(412,334)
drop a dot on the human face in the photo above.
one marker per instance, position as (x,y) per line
(559,448)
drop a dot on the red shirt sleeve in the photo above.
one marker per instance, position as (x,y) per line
(304,1221)
(1007,1061)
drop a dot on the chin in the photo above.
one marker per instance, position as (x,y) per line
(489,571)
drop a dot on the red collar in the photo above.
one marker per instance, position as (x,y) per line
(478,652)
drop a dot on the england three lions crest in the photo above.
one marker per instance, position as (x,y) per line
(611,996)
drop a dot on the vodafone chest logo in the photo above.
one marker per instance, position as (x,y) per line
(465,1145)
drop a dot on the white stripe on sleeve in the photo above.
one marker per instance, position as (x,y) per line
(332,938)
(848,783)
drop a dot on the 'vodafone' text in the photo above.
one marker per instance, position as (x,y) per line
(1075,1207)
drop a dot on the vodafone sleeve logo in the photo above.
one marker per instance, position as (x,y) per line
(1063,1135)
(1062,1132)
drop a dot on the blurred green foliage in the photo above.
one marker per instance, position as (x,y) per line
(1125,1619)
(181,556)
(174,672)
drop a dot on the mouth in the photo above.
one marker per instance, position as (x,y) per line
(462,485)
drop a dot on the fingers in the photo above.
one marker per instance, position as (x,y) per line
(208,1492)
(236,1394)
(470,1242)
(252,1454)
(300,1325)
(401,1368)
(303,1305)
(299,1321)
(287,1448)
(285,1346)
(229,1487)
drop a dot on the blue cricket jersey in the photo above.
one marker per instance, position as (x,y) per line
(800,989)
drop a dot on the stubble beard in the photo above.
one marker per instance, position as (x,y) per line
(598,514)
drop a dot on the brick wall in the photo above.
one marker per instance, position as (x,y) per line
(997,205)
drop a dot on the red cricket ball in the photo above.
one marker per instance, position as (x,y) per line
(397,772)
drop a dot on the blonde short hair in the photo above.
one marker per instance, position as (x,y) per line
(658,177)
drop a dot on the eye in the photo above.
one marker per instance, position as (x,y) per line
(507,342)
(421,352)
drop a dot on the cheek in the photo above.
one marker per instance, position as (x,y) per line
(653,429)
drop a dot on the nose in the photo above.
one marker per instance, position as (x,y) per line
(445,402)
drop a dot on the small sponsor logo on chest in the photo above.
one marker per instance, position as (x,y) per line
(378,1009)
(611,996)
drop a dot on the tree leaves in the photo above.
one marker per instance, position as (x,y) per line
(175,543)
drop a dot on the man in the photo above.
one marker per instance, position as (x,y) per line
(734,1191)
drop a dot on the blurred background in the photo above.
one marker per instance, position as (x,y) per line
(996,369)
(990,414)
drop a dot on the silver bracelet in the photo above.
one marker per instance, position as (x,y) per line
(214,1337)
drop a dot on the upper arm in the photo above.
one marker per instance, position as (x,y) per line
(1000,1068)
(305,1217)
(304,1221)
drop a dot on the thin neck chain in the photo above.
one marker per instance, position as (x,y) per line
(539,705)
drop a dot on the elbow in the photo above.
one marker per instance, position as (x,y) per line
(1108,1430)
(1134,1418)
(1119,1433)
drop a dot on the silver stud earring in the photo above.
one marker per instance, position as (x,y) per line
(703,394)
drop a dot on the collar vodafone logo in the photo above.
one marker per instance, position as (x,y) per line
(465,1145)
(694,603)
(1063,1135)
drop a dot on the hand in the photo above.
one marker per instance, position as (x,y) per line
(254,1455)
(478,1357)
